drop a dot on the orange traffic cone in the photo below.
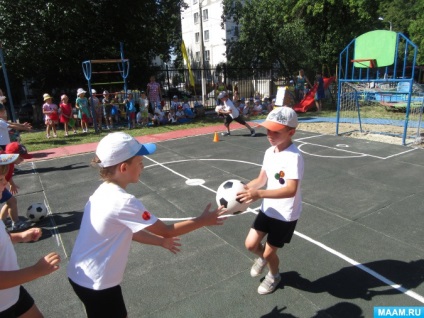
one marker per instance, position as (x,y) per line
(216,137)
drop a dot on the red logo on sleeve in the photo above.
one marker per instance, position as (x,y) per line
(146,215)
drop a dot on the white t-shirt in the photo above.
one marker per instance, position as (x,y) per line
(8,262)
(228,104)
(290,163)
(100,253)
(4,133)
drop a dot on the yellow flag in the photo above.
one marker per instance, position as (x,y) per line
(185,56)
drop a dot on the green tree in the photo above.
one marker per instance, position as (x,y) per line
(47,41)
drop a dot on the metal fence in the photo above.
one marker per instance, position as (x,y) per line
(248,83)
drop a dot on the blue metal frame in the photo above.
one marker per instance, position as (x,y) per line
(124,68)
(344,75)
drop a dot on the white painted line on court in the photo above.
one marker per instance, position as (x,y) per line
(53,230)
(364,268)
(305,237)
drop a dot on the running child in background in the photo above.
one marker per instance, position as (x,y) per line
(112,219)
(83,112)
(281,173)
(15,301)
(231,113)
(51,116)
(66,115)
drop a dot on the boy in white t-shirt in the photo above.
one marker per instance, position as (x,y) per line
(112,219)
(15,301)
(282,172)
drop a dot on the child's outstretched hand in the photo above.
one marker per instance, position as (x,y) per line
(31,235)
(48,264)
(172,244)
(212,217)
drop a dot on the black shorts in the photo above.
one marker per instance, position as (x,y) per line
(279,232)
(239,119)
(24,303)
(105,303)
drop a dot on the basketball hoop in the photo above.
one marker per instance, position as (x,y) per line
(370,63)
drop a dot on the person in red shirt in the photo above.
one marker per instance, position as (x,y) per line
(10,207)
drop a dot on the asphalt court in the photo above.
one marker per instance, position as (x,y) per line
(358,244)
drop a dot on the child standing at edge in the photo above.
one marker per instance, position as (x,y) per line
(130,110)
(83,112)
(320,93)
(15,301)
(113,219)
(51,115)
(231,113)
(66,115)
(282,172)
(5,125)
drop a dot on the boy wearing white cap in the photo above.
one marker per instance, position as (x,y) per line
(113,219)
(282,172)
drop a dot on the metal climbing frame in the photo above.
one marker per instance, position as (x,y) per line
(123,67)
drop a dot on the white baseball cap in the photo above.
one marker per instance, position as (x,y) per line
(118,147)
(6,159)
(279,118)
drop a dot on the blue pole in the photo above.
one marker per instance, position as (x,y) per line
(6,80)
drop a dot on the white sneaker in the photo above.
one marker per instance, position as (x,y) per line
(269,284)
(253,133)
(257,267)
(225,134)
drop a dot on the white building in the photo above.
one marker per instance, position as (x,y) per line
(214,36)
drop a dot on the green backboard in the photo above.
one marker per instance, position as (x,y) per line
(379,45)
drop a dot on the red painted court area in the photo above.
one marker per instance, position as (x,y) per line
(91,147)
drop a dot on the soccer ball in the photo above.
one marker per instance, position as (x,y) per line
(36,212)
(226,196)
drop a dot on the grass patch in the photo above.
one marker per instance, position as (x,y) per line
(36,140)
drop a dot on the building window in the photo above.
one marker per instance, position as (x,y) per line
(196,37)
(206,35)
(197,56)
(196,18)
(207,55)
(205,15)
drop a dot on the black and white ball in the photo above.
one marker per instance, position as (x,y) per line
(226,196)
(36,212)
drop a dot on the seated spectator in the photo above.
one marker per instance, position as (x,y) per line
(247,110)
(187,109)
(175,103)
(257,108)
(180,114)
(271,105)
(172,118)
(159,117)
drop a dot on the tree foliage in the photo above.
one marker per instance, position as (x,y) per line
(47,41)
(309,34)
